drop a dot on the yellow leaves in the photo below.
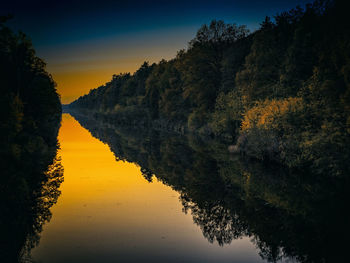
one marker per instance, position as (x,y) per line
(117,108)
(264,114)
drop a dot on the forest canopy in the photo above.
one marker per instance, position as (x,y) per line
(281,93)
(29,104)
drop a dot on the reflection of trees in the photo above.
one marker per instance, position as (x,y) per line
(286,214)
(25,207)
(216,222)
(44,198)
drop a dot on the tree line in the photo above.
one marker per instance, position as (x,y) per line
(30,115)
(280,93)
(30,108)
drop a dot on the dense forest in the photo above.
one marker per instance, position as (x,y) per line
(287,215)
(280,93)
(30,115)
(30,107)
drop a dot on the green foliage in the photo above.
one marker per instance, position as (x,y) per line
(286,84)
(227,116)
(178,89)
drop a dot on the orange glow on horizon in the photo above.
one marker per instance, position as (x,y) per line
(92,175)
(71,85)
(89,70)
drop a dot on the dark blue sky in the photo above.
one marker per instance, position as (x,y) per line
(64,21)
(88,41)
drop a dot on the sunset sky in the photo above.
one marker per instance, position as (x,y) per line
(85,42)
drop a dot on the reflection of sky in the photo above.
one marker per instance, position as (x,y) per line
(108,212)
(100,38)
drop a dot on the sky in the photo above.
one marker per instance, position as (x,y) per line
(85,42)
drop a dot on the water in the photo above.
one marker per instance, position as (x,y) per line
(108,212)
(132,195)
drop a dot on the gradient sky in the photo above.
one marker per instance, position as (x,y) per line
(85,42)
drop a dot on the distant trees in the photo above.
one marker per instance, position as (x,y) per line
(218,33)
(227,74)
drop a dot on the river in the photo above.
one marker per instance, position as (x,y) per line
(108,212)
(145,196)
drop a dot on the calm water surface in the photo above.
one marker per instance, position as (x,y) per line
(108,212)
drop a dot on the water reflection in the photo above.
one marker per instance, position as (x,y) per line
(28,190)
(108,212)
(288,215)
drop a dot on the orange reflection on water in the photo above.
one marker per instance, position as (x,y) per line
(94,177)
(108,212)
